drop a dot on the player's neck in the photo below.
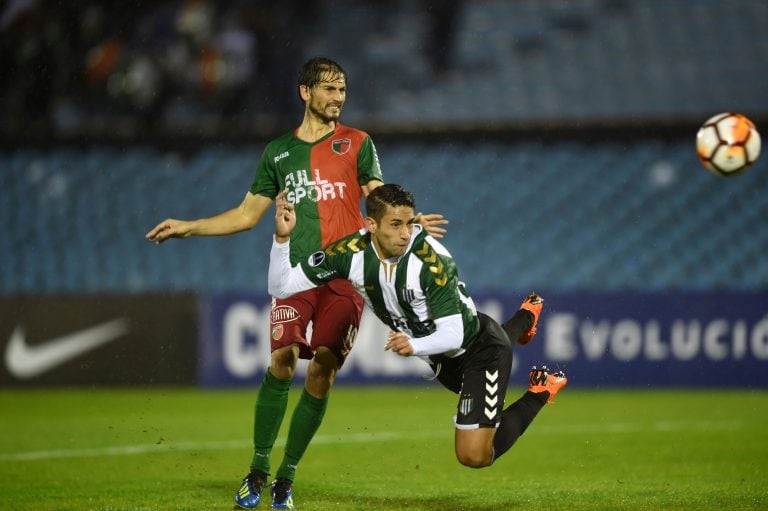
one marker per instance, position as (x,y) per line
(313,129)
(381,253)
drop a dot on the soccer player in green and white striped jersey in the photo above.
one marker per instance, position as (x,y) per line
(411,283)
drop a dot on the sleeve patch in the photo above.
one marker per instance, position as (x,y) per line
(316,259)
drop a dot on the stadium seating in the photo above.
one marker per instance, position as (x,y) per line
(501,63)
(563,215)
(529,60)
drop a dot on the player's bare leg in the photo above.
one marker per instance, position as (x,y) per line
(474,447)
(283,362)
(321,372)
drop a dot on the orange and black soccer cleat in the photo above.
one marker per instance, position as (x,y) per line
(542,380)
(532,304)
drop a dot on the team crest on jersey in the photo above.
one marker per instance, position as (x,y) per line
(277,332)
(341,145)
(465,404)
(316,259)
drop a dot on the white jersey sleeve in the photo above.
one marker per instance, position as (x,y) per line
(285,280)
(447,337)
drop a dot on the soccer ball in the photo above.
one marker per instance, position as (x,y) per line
(728,144)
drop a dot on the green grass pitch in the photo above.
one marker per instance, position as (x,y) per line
(384,448)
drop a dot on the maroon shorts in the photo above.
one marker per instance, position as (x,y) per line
(334,310)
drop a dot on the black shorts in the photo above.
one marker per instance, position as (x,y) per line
(479,376)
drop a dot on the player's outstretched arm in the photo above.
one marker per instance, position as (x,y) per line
(432,222)
(169,228)
(238,219)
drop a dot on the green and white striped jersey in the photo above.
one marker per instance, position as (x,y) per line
(410,294)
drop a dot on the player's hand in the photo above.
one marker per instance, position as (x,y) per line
(399,343)
(285,218)
(281,201)
(169,228)
(432,222)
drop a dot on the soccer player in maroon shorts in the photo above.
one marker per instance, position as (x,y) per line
(324,169)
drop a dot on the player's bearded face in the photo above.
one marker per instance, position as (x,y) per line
(392,233)
(327,98)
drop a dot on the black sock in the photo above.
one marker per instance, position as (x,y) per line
(518,324)
(515,420)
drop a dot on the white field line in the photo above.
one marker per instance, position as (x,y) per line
(124,450)
(553,429)
(637,427)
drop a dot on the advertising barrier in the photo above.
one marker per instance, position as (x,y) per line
(599,339)
(98,340)
(219,340)
(676,339)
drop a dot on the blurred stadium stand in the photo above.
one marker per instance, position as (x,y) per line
(524,215)
(125,70)
(556,135)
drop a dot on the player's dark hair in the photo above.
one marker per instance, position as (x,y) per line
(320,69)
(388,195)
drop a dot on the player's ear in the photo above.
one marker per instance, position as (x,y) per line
(304,92)
(371,224)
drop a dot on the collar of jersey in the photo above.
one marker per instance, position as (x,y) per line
(324,137)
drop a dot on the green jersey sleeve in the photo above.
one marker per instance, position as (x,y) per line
(441,286)
(368,167)
(267,181)
(335,261)
(447,296)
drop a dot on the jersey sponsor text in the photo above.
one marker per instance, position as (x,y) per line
(283,314)
(300,187)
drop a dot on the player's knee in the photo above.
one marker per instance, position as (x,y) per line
(283,362)
(321,373)
(474,458)
(325,360)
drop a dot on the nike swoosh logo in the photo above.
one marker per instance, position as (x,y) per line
(25,361)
